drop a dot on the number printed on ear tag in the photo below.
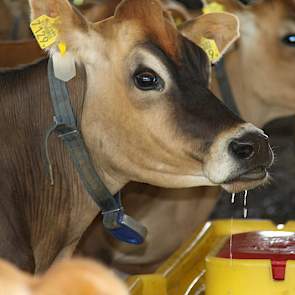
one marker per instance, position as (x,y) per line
(210,47)
(213,7)
(44,30)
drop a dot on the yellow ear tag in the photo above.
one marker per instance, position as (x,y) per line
(62,46)
(178,21)
(210,47)
(213,7)
(44,30)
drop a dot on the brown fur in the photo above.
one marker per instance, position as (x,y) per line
(5,21)
(19,53)
(14,19)
(28,242)
(170,215)
(150,14)
(99,10)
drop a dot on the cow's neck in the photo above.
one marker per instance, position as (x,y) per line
(252,106)
(49,219)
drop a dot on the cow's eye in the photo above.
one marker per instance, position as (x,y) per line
(250,2)
(148,80)
(245,2)
(289,40)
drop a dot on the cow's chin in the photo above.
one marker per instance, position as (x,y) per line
(239,185)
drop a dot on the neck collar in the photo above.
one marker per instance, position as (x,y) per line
(120,225)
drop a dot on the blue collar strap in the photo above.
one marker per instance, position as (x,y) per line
(120,225)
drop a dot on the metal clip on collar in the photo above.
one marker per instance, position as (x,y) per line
(123,227)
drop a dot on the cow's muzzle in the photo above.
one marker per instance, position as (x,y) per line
(239,159)
(253,154)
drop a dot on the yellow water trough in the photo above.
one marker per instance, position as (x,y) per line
(258,259)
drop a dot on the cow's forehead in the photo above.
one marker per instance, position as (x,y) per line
(183,52)
(152,20)
(165,35)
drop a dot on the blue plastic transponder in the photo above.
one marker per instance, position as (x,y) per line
(126,231)
(123,227)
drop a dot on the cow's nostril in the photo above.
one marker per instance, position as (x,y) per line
(241,150)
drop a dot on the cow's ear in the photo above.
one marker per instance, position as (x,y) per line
(178,12)
(71,25)
(222,27)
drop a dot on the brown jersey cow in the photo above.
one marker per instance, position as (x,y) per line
(146,114)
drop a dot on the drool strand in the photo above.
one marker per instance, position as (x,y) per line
(231,231)
(245,205)
(233,195)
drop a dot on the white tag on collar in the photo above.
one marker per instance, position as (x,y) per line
(64,66)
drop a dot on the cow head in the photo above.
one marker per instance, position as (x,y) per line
(148,114)
(266,51)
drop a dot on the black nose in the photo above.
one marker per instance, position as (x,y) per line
(252,149)
(242,149)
